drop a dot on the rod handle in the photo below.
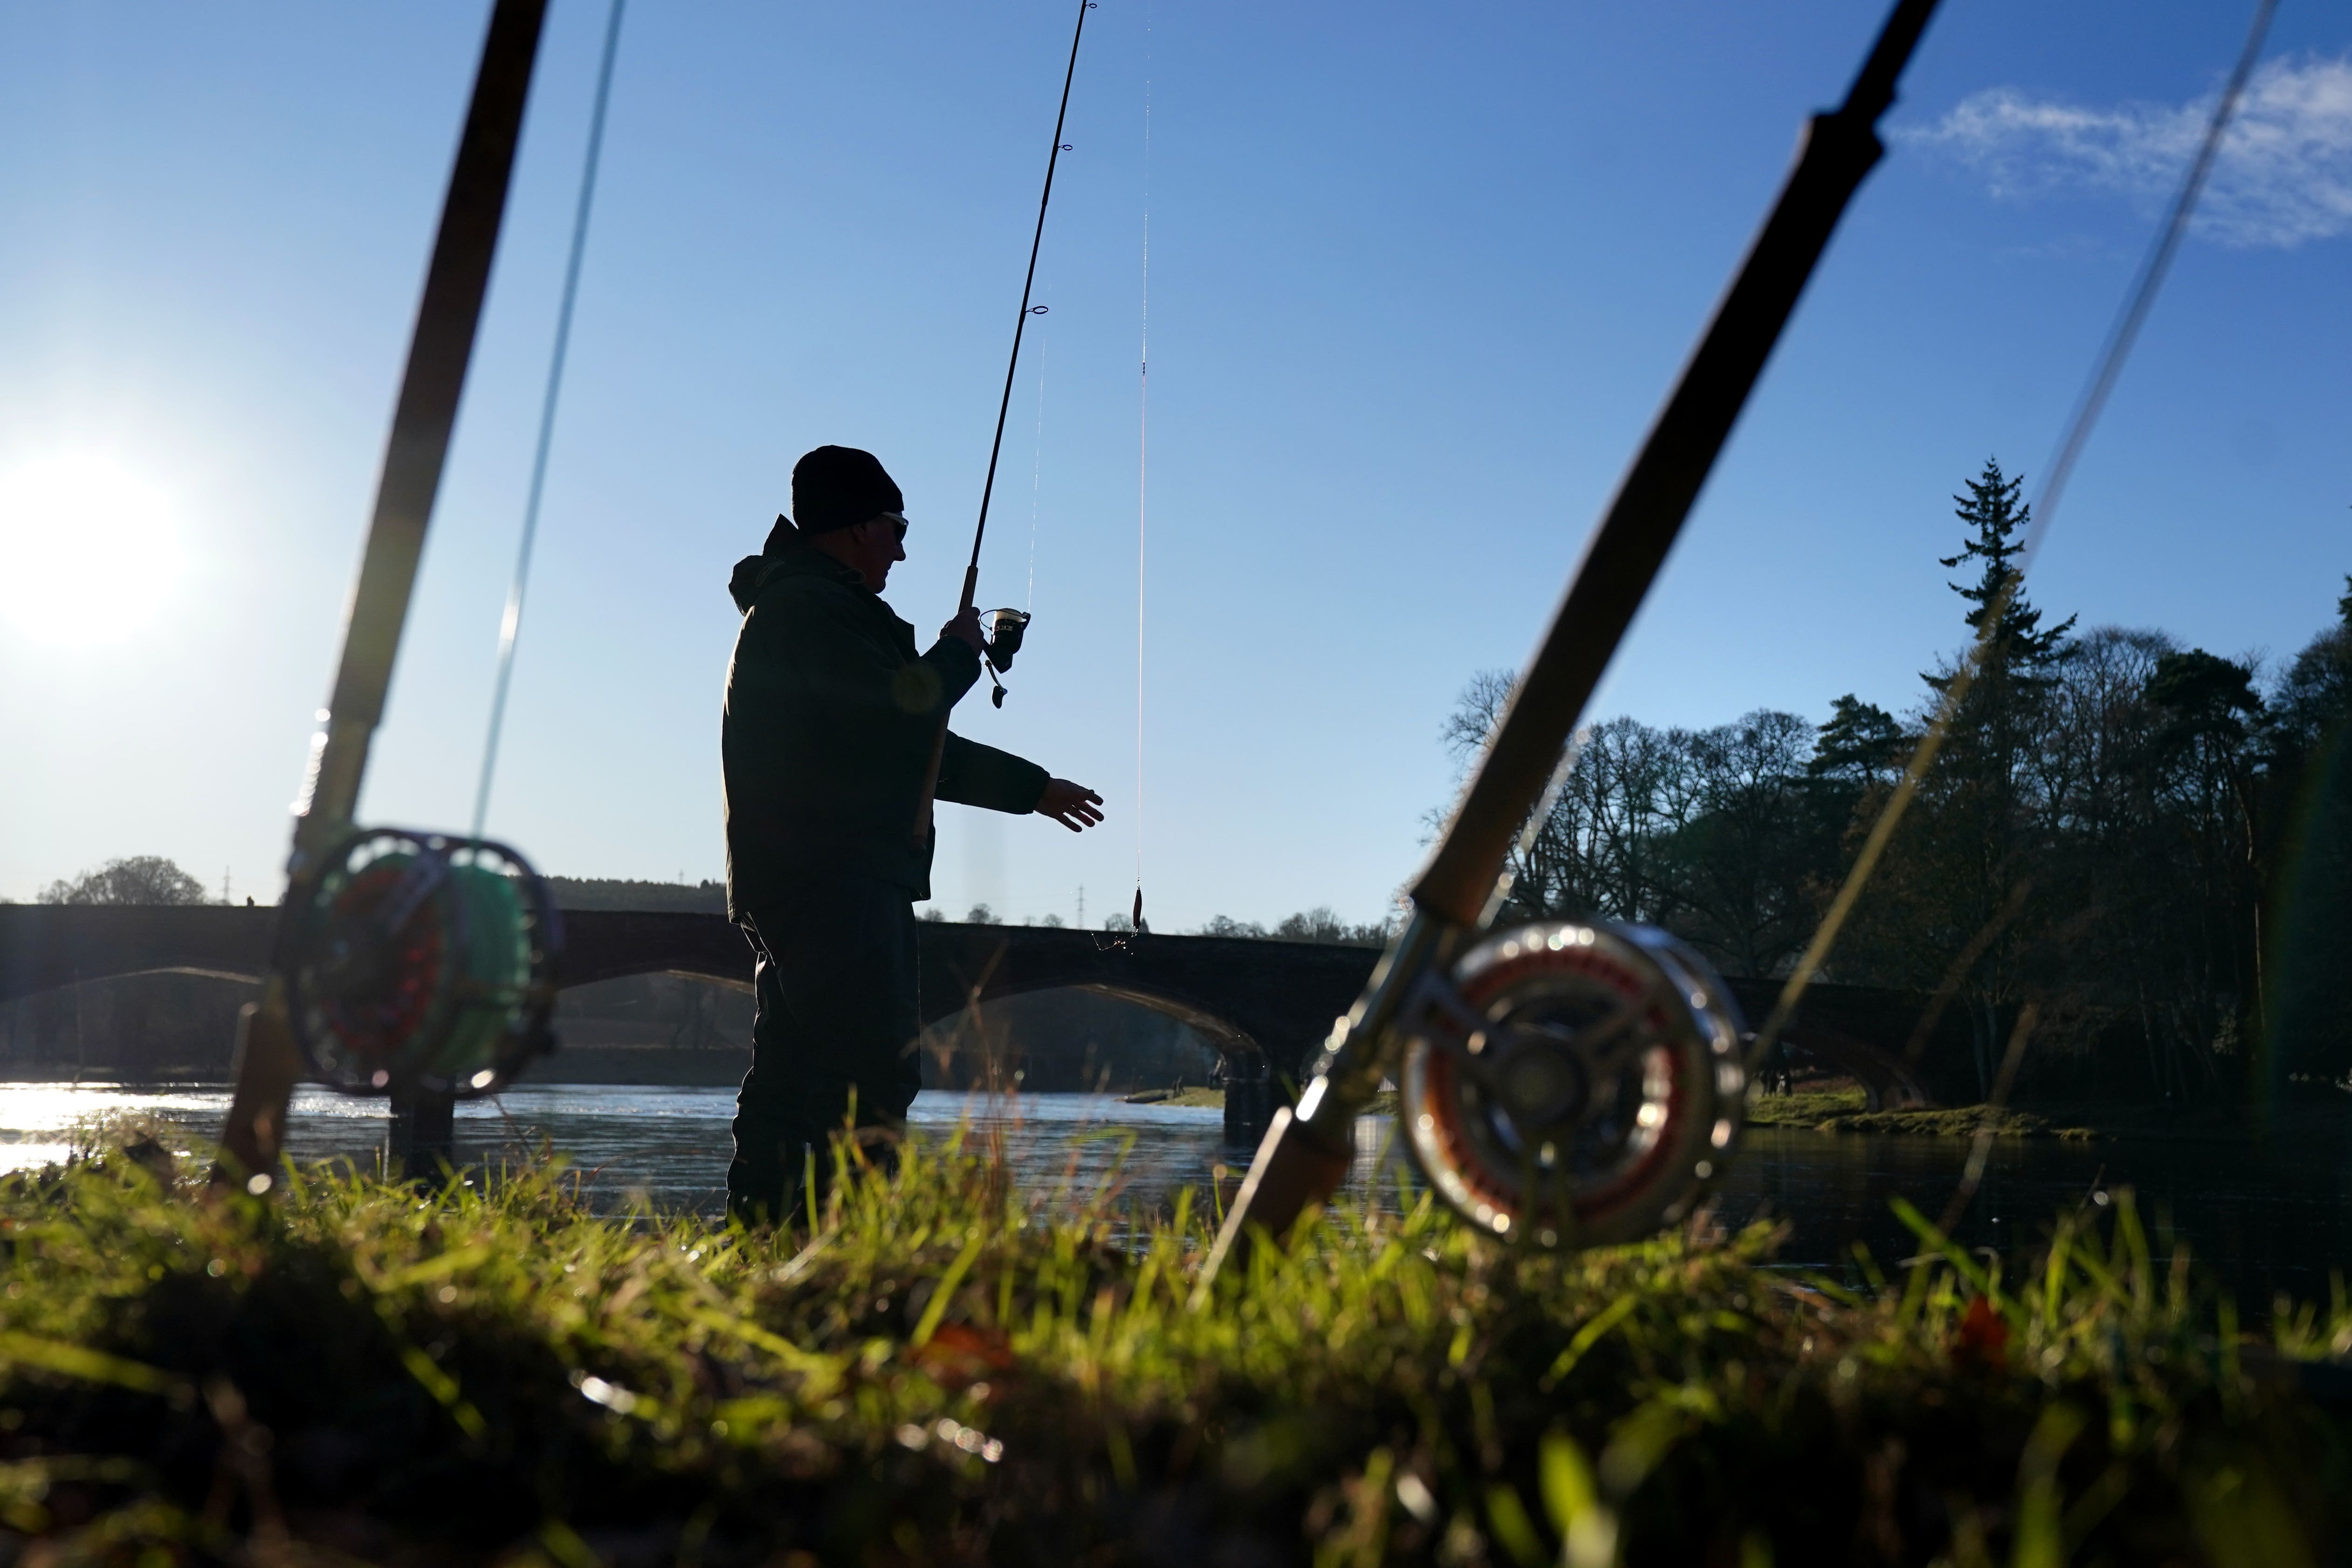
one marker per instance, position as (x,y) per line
(940,741)
(268,1066)
(1296,1166)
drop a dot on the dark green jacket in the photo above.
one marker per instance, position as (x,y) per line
(830,720)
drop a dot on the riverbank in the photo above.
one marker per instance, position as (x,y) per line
(1383,1103)
(1845,1112)
(1833,1111)
(1194,1097)
(946,1373)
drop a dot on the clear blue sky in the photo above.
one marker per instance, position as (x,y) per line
(1419,277)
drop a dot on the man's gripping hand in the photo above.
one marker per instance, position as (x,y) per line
(965,628)
(1074,806)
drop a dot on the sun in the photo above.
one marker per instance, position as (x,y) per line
(88,551)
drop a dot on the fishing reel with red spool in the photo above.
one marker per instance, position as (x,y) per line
(423,963)
(1574,1085)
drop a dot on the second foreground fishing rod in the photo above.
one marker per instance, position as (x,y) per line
(405,963)
(1567,1084)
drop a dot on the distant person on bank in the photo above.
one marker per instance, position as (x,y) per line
(830,723)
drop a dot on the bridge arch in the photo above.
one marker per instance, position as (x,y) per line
(1264,1005)
(1835,1029)
(1886,1083)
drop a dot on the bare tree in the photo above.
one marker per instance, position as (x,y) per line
(1740,865)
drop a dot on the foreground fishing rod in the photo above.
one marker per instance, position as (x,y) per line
(1006,626)
(410,963)
(1565,1083)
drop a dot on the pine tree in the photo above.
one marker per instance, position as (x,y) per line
(1856,755)
(1984,824)
(1861,743)
(1994,507)
(1994,723)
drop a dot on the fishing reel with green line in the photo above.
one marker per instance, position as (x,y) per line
(1571,1084)
(418,962)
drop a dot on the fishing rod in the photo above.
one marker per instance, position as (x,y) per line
(403,962)
(1006,626)
(1566,1083)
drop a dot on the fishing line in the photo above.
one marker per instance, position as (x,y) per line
(1005,626)
(510,626)
(2091,401)
(1036,477)
(1143,460)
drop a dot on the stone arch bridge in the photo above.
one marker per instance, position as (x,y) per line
(1264,1004)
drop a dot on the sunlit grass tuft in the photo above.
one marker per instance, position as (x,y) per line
(946,1371)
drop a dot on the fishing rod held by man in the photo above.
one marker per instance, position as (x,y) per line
(830,725)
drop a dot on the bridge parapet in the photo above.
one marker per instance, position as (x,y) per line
(46,947)
(1274,1000)
(1255,1000)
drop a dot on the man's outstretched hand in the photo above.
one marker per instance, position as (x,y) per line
(1074,806)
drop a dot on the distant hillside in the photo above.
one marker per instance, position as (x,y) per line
(614,894)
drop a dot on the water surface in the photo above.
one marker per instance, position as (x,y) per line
(2265,1218)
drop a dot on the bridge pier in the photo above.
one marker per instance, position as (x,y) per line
(1249,1099)
(421,1144)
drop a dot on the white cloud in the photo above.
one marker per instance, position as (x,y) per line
(2284,175)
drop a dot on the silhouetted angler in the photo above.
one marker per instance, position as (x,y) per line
(831,719)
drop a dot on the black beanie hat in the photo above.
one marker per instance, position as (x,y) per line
(841,486)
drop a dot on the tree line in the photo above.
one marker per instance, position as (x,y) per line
(132,879)
(2151,843)
(1322,923)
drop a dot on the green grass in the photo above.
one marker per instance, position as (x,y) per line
(951,1371)
(1195,1096)
(1843,1111)
(1808,1109)
(1958,1121)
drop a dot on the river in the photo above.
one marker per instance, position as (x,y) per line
(2265,1220)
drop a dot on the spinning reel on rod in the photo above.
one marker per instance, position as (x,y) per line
(1005,630)
(1573,1085)
(418,962)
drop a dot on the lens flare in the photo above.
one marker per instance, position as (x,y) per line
(88,552)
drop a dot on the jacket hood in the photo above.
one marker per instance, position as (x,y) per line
(743,583)
(786,555)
